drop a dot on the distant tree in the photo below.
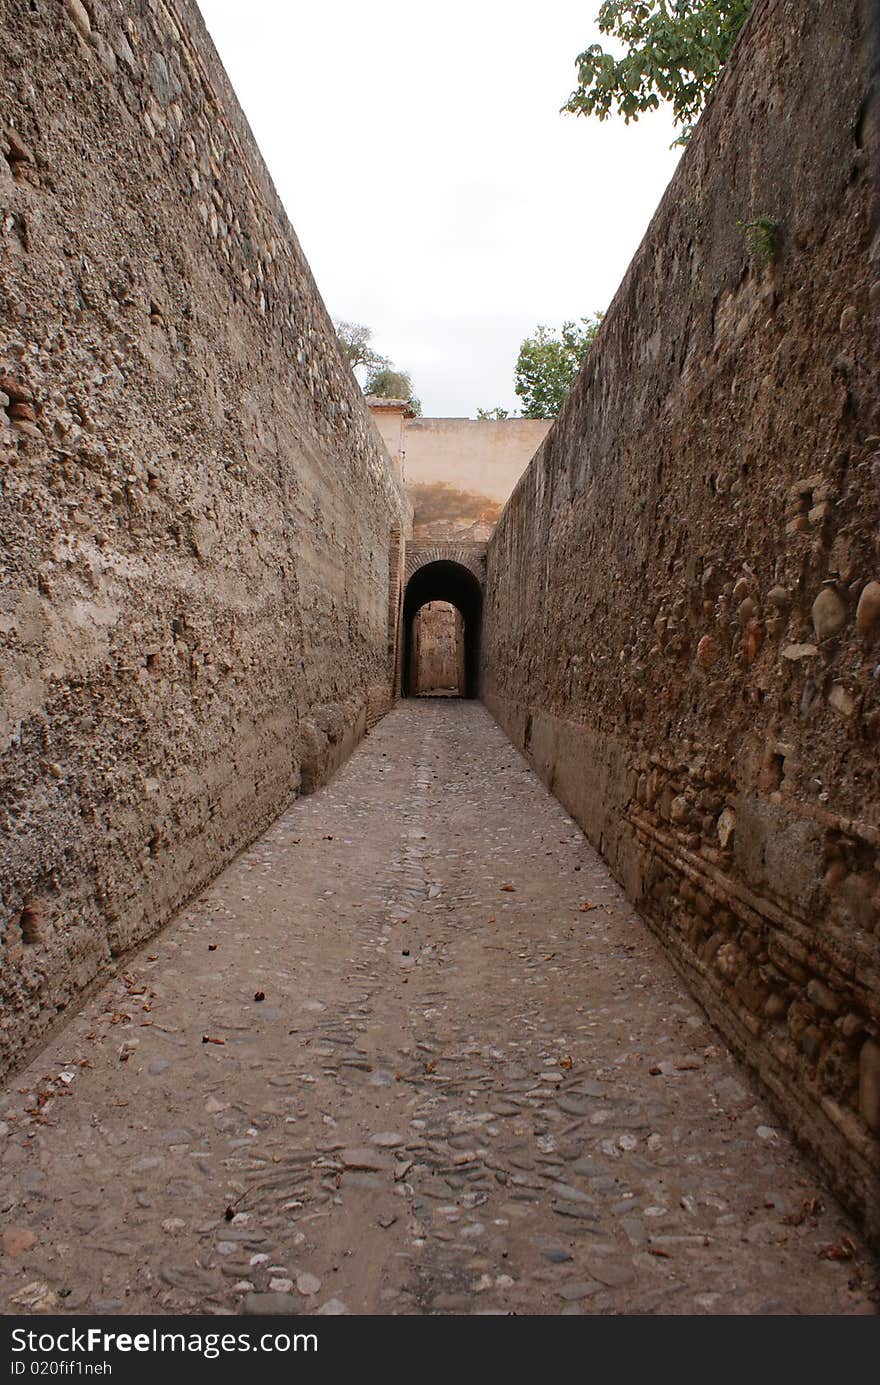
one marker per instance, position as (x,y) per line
(355,340)
(547,364)
(496,413)
(674,51)
(388,383)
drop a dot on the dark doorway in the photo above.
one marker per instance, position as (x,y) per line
(445,581)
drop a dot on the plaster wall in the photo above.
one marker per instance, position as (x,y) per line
(460,472)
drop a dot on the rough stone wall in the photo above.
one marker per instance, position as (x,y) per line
(197,512)
(682,618)
(437,649)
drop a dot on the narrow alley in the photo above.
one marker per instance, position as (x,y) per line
(413,1052)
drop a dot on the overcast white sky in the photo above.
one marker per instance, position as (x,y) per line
(438,193)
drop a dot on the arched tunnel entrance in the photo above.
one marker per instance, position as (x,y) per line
(440,585)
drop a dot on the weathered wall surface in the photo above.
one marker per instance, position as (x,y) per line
(389,416)
(682,619)
(437,650)
(201,529)
(460,471)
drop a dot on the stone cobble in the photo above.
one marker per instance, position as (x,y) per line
(413,1052)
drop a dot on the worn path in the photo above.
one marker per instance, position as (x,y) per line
(474,1084)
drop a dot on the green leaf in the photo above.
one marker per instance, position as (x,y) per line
(673,51)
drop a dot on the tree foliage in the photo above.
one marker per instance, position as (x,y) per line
(674,51)
(355,340)
(497,414)
(382,378)
(548,362)
(388,383)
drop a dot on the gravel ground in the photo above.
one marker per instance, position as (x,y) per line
(413,1052)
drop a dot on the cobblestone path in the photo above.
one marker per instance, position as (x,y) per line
(473,1084)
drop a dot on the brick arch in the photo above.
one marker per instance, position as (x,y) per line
(453,572)
(472,558)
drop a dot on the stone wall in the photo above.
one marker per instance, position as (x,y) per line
(437,650)
(682,618)
(201,530)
